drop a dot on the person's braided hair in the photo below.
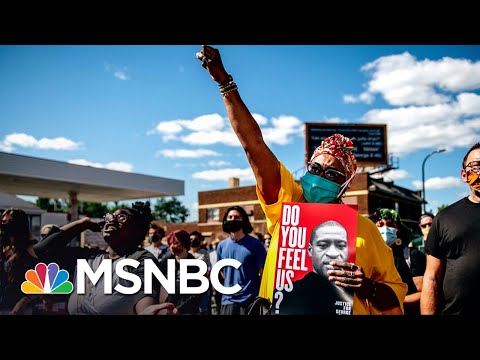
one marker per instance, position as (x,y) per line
(142,213)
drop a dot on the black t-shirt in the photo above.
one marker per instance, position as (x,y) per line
(405,273)
(455,238)
(314,295)
(186,304)
(418,262)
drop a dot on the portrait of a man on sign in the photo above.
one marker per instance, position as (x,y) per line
(312,237)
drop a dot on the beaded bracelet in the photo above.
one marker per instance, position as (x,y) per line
(226,81)
(229,90)
(228,87)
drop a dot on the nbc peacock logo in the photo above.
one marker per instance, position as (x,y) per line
(47,280)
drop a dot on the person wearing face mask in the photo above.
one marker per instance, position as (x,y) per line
(186,304)
(157,248)
(450,285)
(378,288)
(250,252)
(425,223)
(409,262)
(199,252)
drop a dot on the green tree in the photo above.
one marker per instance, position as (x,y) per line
(117,205)
(43,203)
(52,205)
(171,210)
(441,207)
(93,209)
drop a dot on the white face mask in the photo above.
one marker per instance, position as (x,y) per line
(389,234)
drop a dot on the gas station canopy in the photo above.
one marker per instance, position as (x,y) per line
(24,175)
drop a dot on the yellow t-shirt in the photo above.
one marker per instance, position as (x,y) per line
(372,254)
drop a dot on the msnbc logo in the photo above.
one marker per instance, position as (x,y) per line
(47,280)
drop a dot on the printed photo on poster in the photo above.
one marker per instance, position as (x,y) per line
(311,236)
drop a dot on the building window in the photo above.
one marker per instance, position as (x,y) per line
(213,215)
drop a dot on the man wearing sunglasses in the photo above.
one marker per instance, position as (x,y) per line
(450,283)
(374,278)
(424,223)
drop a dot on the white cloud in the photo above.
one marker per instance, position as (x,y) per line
(185,153)
(336,120)
(392,175)
(28,141)
(260,119)
(364,97)
(350,99)
(468,104)
(200,123)
(283,128)
(403,80)
(213,129)
(119,72)
(438,183)
(211,137)
(426,127)
(120,75)
(218,163)
(205,123)
(225,174)
(118,166)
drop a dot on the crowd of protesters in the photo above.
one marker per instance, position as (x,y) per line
(393,273)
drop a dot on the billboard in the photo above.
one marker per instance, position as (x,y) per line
(369,140)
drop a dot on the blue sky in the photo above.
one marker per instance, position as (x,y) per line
(152,109)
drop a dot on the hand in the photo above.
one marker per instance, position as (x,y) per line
(211,60)
(160,309)
(92,225)
(348,275)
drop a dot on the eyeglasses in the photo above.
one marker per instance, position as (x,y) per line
(475,165)
(328,173)
(423,226)
(120,218)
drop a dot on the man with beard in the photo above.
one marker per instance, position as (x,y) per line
(450,282)
(250,252)
(314,294)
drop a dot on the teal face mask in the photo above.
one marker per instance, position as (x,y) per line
(317,189)
(389,234)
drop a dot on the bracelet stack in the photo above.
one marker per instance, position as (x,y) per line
(227,86)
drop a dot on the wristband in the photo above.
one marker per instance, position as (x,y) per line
(226,81)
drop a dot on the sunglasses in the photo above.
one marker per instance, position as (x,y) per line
(423,226)
(328,173)
(120,218)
